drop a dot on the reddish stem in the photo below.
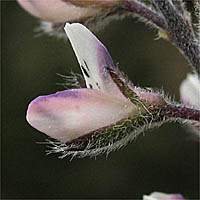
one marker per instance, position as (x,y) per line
(180,112)
(145,12)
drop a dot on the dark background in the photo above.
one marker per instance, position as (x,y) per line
(165,160)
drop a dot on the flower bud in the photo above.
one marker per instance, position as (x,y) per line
(163,196)
(190,94)
(190,91)
(57,11)
(60,11)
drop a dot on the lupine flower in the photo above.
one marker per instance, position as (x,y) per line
(190,94)
(56,13)
(103,116)
(163,196)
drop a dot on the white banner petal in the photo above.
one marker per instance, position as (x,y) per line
(93,58)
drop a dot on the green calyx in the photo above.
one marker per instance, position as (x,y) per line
(111,138)
(114,136)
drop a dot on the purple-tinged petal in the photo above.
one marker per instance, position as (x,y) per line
(93,58)
(58,11)
(163,196)
(70,114)
(176,197)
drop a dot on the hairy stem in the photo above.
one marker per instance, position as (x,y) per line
(145,12)
(178,5)
(180,33)
(181,112)
(197,14)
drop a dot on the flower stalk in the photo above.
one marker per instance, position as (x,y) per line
(180,33)
(147,13)
(170,18)
(181,112)
(179,5)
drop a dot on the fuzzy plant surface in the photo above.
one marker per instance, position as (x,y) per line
(101,110)
(106,111)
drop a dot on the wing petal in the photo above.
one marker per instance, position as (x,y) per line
(70,114)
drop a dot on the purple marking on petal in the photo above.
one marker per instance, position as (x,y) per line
(164,196)
(176,197)
(66,93)
(104,58)
(74,93)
